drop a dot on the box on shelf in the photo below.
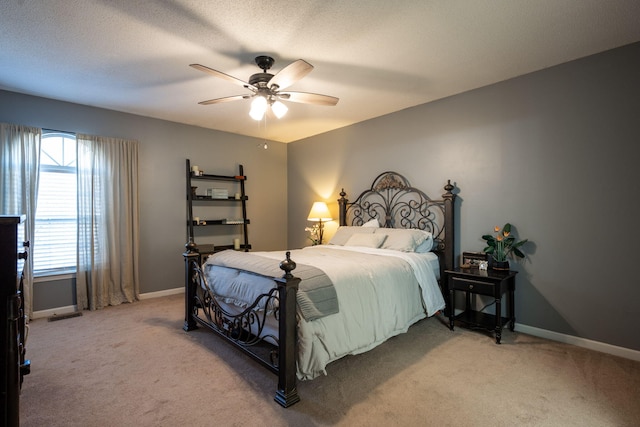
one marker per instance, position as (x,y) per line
(233,221)
(218,193)
(206,248)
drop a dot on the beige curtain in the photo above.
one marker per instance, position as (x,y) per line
(19,162)
(108,226)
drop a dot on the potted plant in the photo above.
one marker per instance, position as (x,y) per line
(502,246)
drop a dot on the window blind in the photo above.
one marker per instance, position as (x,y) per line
(54,251)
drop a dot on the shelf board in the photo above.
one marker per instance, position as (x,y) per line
(208,222)
(219,248)
(219,177)
(478,320)
(216,199)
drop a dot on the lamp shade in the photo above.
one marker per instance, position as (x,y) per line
(258,107)
(279,109)
(319,212)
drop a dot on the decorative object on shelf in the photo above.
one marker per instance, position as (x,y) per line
(473,259)
(218,193)
(319,212)
(233,221)
(206,248)
(502,246)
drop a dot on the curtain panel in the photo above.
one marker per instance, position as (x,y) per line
(108,224)
(19,165)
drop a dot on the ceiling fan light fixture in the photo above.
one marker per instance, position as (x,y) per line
(258,108)
(279,109)
(267,88)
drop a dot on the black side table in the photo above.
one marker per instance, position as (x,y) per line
(493,283)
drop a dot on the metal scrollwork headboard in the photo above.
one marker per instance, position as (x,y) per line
(396,204)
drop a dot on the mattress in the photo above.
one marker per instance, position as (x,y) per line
(380,294)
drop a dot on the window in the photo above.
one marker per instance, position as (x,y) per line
(55,237)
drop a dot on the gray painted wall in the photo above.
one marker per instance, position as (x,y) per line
(164,146)
(554,152)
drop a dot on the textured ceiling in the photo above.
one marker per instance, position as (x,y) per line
(378,57)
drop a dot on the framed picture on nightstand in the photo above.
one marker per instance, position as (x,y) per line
(473,259)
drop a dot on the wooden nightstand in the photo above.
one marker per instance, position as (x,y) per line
(493,283)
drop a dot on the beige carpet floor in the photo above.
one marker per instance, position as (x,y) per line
(133,365)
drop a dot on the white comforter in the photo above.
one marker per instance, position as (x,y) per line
(379,297)
(380,294)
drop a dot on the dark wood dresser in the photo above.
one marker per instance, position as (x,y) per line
(13,365)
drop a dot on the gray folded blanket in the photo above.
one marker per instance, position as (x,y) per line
(316,295)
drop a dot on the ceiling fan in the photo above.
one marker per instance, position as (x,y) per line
(267,88)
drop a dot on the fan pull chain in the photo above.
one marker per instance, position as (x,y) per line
(264,144)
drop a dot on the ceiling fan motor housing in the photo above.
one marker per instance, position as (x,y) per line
(260,79)
(264,62)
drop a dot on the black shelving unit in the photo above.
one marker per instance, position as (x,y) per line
(241,222)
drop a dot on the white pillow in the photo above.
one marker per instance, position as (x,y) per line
(366,240)
(373,223)
(344,232)
(426,246)
(400,242)
(403,240)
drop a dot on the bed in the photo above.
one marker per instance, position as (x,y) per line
(380,273)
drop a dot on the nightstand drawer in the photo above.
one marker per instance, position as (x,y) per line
(474,286)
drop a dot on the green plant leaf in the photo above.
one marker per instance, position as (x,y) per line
(520,243)
(506,247)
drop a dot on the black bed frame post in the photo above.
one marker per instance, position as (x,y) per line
(191,256)
(449,233)
(342,205)
(287,393)
(449,239)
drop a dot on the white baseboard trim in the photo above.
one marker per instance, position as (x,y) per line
(73,308)
(54,311)
(627,353)
(158,294)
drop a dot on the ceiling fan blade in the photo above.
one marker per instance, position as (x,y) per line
(225,99)
(290,74)
(222,75)
(308,98)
